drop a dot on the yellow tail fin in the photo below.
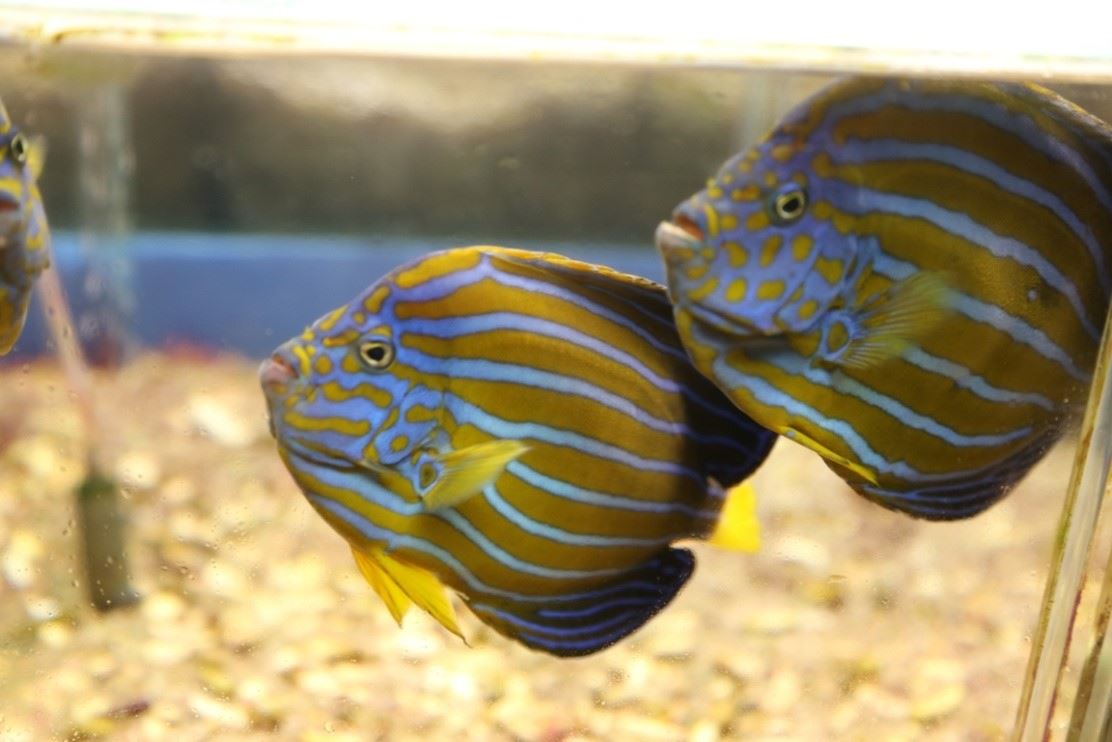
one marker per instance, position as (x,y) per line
(738,528)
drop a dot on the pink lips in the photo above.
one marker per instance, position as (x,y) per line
(276,372)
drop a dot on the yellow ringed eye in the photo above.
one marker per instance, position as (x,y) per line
(20,148)
(788,207)
(376,354)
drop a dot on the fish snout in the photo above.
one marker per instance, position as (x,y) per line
(679,240)
(276,372)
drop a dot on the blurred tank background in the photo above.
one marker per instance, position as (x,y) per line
(206,206)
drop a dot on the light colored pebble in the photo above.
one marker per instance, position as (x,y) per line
(225,714)
(212,418)
(138,470)
(803,551)
(704,731)
(20,561)
(163,606)
(782,692)
(672,635)
(41,608)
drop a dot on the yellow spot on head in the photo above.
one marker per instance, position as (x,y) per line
(770,249)
(726,179)
(770,179)
(712,221)
(748,193)
(323,365)
(770,290)
(744,167)
(808,308)
(707,254)
(373,303)
(782,152)
(419,414)
(328,321)
(822,210)
(399,443)
(705,290)
(802,244)
(736,254)
(822,166)
(696,271)
(800,178)
(757,221)
(736,291)
(436,265)
(837,337)
(831,269)
(303,361)
(729,221)
(343,338)
(351,365)
(713,191)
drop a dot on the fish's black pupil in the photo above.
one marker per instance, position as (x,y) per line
(376,355)
(19,148)
(789,206)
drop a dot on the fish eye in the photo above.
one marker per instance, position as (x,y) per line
(376,354)
(19,148)
(789,206)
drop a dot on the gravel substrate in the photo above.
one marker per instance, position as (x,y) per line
(851,623)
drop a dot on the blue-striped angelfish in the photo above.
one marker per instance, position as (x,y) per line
(24,234)
(907,276)
(519,427)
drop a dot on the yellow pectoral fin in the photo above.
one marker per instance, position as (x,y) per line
(393,596)
(738,528)
(467,472)
(859,469)
(910,308)
(420,586)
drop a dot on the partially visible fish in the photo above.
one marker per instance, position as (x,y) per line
(24,234)
(907,276)
(522,428)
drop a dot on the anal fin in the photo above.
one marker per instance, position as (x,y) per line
(578,624)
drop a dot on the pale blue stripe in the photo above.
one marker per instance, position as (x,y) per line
(860,200)
(799,366)
(894,150)
(1020,125)
(560,488)
(771,396)
(485,370)
(991,315)
(358,484)
(454,328)
(467,413)
(966,379)
(393,541)
(546,531)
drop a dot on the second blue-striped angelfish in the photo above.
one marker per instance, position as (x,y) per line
(907,276)
(521,428)
(24,235)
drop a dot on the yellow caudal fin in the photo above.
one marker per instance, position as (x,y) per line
(738,528)
(907,310)
(465,473)
(412,584)
(393,596)
(859,469)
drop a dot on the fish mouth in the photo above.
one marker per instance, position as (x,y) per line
(678,239)
(276,372)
